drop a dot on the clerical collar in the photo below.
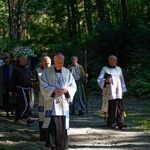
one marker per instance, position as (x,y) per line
(111,66)
(75,64)
(59,71)
(21,65)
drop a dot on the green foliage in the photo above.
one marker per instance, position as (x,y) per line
(6,147)
(139,85)
(141,116)
(131,47)
(92,84)
(47,24)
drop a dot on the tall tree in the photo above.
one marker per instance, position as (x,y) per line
(73,20)
(69,19)
(10,20)
(124,12)
(101,10)
(88,18)
(19,13)
(14,18)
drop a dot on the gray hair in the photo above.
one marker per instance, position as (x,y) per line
(74,56)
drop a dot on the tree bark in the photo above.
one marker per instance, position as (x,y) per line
(101,12)
(73,21)
(69,19)
(10,20)
(124,12)
(87,9)
(19,13)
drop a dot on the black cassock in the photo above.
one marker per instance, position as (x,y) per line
(20,83)
(57,134)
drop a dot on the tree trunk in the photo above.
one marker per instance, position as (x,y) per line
(10,20)
(101,12)
(124,12)
(73,20)
(69,20)
(19,13)
(87,9)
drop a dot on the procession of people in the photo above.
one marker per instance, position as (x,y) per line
(60,92)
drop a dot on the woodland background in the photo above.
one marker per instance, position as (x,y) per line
(99,27)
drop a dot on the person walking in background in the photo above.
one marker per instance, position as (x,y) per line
(111,81)
(1,60)
(20,83)
(58,87)
(79,102)
(7,103)
(45,62)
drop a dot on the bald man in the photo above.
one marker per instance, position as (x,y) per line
(45,62)
(20,83)
(79,102)
(58,87)
(112,83)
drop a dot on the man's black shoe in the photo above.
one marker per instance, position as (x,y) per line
(7,114)
(81,112)
(120,126)
(72,112)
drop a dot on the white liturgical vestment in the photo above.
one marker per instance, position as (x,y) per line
(59,104)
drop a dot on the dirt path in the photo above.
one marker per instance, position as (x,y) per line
(87,132)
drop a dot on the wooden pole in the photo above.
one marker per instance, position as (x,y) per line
(85,62)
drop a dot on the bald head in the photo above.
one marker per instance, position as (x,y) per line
(23,61)
(112,59)
(46,61)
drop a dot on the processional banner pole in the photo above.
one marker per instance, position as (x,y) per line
(85,63)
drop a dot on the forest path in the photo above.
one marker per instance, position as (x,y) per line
(87,132)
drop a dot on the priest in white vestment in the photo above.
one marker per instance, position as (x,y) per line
(58,87)
(45,62)
(111,81)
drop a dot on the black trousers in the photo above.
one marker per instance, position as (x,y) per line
(42,132)
(57,134)
(115,111)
